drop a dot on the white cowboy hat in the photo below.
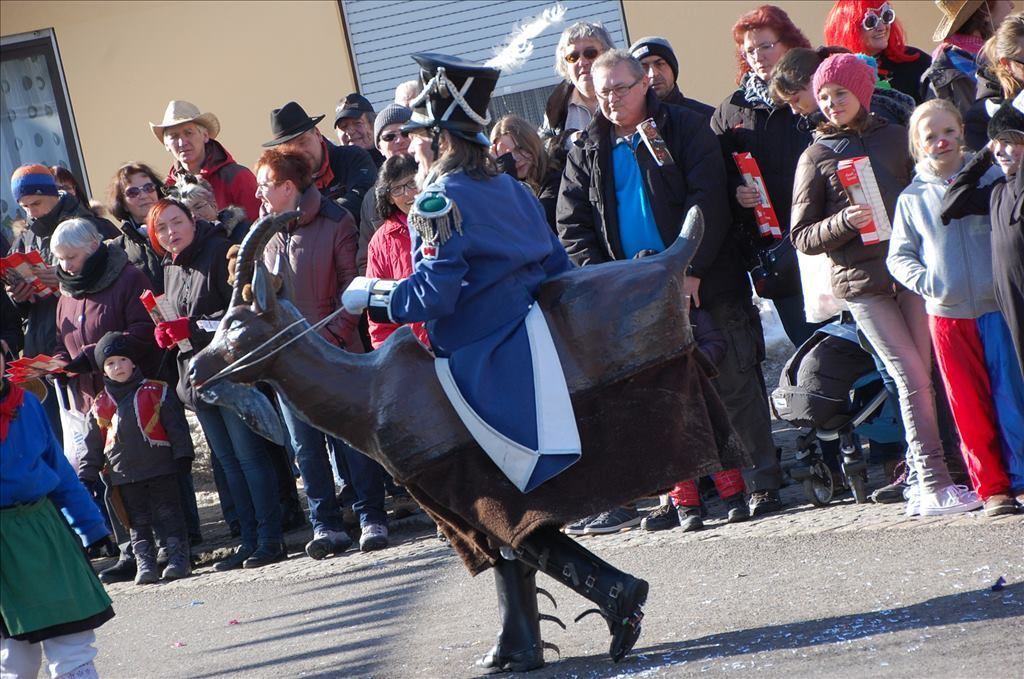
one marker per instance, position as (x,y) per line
(179,112)
(954,14)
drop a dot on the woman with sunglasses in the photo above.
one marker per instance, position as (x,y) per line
(520,153)
(1000,77)
(871,27)
(134,189)
(750,121)
(572,105)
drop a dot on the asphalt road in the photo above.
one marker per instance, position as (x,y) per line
(845,591)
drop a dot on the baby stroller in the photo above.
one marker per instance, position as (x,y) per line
(831,386)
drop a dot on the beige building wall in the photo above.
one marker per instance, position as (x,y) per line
(701,33)
(123,61)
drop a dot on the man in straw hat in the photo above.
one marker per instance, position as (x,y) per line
(963,28)
(190,137)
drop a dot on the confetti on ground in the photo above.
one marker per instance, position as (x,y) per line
(998,587)
(232,621)
(179,644)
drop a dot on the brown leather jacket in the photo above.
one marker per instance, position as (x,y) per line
(818,201)
(317,262)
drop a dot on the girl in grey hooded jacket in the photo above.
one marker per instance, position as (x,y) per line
(950,266)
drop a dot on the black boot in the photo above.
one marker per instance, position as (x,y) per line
(619,596)
(519,647)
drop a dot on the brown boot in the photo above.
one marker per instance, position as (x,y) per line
(1000,504)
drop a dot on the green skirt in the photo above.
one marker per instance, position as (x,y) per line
(45,579)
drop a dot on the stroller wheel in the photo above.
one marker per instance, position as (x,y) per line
(819,487)
(858,486)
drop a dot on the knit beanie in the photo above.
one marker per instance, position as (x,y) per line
(33,180)
(849,72)
(392,114)
(654,46)
(115,344)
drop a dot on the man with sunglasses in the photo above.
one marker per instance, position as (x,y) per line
(390,141)
(344,174)
(624,196)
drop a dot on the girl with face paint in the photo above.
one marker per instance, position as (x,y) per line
(950,266)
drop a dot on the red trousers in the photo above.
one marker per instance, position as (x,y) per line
(728,483)
(961,358)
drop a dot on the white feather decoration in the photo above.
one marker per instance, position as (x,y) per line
(519,46)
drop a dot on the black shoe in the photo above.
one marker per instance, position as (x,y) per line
(764,502)
(265,555)
(736,508)
(235,560)
(122,571)
(519,647)
(689,519)
(664,517)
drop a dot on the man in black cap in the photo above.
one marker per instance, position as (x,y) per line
(662,68)
(344,174)
(353,121)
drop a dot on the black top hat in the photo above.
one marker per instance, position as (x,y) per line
(288,122)
(464,112)
(352,106)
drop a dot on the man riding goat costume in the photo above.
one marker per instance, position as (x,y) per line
(534,408)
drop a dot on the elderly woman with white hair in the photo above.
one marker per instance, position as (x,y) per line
(99,293)
(198,196)
(573,103)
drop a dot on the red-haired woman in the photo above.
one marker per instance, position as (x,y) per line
(871,27)
(196,284)
(751,121)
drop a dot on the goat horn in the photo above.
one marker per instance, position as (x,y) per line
(690,235)
(252,248)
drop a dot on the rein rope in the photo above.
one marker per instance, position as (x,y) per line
(248,360)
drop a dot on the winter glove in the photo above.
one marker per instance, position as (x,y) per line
(169,333)
(357,295)
(79,364)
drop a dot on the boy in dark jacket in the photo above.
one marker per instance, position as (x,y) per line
(139,426)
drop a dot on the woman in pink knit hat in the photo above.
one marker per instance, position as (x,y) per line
(855,238)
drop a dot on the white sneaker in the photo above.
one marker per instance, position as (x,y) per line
(373,537)
(913,497)
(949,500)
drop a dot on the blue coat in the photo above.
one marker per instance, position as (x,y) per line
(33,466)
(473,293)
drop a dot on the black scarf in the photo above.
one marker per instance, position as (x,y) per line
(85,282)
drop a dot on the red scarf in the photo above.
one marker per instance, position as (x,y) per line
(968,43)
(324,177)
(9,408)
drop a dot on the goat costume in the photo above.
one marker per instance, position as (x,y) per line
(477,276)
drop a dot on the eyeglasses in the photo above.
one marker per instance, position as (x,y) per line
(589,54)
(619,92)
(873,17)
(752,52)
(401,189)
(391,136)
(136,191)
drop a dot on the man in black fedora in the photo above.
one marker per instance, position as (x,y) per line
(354,122)
(345,174)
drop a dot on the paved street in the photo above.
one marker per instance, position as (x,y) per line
(844,591)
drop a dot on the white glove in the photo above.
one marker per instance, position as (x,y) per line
(357,295)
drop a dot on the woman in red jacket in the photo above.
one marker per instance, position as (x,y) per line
(389,255)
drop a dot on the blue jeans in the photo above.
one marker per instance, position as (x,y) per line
(309,447)
(364,483)
(1007,393)
(249,473)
